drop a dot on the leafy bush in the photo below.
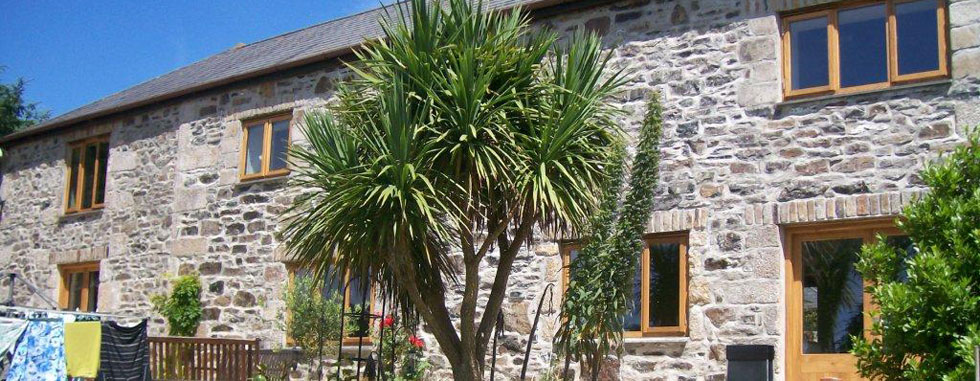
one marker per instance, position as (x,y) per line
(928,321)
(182,308)
(313,321)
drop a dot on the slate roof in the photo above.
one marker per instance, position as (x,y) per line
(315,43)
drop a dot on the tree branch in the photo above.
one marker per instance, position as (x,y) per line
(430,305)
(504,268)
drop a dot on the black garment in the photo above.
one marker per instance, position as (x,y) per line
(125,353)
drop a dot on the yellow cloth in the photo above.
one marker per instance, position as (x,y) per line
(83,340)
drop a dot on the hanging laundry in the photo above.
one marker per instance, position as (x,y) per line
(10,331)
(66,317)
(40,353)
(82,345)
(125,353)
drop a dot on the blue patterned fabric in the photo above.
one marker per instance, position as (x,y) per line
(40,353)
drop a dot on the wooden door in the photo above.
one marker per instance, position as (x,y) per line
(826,299)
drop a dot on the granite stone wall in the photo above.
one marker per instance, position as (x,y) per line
(739,164)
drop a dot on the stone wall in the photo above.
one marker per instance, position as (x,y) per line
(738,165)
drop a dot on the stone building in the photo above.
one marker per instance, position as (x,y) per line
(794,131)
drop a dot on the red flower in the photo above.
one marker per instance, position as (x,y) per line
(416,341)
(388,321)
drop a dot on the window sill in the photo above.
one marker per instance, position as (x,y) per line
(83,214)
(834,97)
(263,180)
(635,341)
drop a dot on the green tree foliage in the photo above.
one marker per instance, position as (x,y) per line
(461,131)
(182,308)
(928,322)
(313,320)
(15,113)
(600,290)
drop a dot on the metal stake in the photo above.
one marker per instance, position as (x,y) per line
(340,343)
(534,327)
(496,334)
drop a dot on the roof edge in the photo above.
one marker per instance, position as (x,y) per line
(532,6)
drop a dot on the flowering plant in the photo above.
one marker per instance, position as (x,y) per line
(400,351)
(416,342)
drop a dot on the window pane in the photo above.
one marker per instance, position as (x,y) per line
(253,152)
(74,291)
(918,36)
(809,59)
(903,243)
(88,182)
(330,286)
(103,164)
(572,256)
(631,322)
(664,285)
(76,157)
(280,142)
(93,291)
(833,295)
(863,51)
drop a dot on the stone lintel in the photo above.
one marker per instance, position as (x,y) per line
(79,255)
(887,204)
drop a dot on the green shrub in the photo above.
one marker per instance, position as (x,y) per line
(313,321)
(927,323)
(182,308)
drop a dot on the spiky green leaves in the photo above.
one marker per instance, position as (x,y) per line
(457,121)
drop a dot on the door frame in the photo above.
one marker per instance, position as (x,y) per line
(794,236)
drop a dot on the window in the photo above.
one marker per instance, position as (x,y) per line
(569,252)
(79,287)
(360,295)
(265,142)
(86,174)
(865,46)
(826,303)
(659,287)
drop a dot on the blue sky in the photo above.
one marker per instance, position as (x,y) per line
(73,52)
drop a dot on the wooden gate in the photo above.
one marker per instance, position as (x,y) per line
(202,359)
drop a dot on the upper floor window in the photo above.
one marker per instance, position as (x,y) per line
(87,160)
(79,287)
(659,305)
(264,146)
(864,46)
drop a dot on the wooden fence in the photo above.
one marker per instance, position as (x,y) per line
(202,359)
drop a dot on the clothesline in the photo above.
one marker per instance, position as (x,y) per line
(76,313)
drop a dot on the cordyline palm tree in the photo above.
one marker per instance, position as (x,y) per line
(461,134)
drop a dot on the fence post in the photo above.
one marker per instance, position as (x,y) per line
(252,351)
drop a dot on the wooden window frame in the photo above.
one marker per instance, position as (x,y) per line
(80,181)
(65,272)
(566,248)
(681,329)
(264,171)
(833,49)
(348,340)
(867,230)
